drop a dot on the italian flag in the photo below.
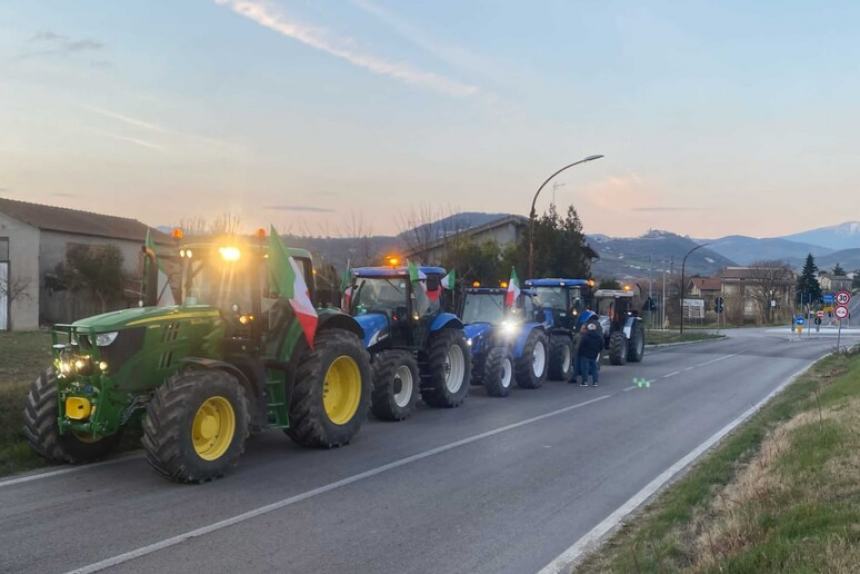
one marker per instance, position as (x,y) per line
(449,281)
(165,293)
(346,288)
(288,281)
(513,289)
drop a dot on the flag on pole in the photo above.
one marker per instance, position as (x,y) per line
(449,281)
(164,294)
(346,287)
(289,282)
(416,275)
(513,291)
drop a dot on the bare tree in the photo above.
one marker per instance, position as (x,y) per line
(359,232)
(425,224)
(14,289)
(767,282)
(225,224)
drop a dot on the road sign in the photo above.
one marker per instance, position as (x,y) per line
(841,312)
(828,298)
(820,314)
(843,298)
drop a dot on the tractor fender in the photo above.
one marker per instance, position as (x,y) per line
(476,336)
(445,321)
(338,320)
(206,363)
(628,326)
(523,336)
(373,328)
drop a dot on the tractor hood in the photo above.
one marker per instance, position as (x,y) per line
(475,330)
(141,316)
(374,326)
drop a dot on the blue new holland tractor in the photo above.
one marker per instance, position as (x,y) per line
(415,347)
(508,344)
(563,303)
(622,327)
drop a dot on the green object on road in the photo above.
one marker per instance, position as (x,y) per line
(201,375)
(642,383)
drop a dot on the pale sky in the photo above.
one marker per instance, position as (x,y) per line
(715,117)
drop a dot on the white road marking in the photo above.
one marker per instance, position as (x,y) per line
(630,388)
(712,361)
(565,561)
(672,374)
(66,470)
(688,369)
(178,539)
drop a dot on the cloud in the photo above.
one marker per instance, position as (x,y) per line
(343,48)
(305,208)
(50,43)
(150,126)
(666,208)
(131,140)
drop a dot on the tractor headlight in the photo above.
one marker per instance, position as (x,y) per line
(509,328)
(469,342)
(105,339)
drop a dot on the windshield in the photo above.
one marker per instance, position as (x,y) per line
(379,293)
(217,284)
(484,308)
(552,297)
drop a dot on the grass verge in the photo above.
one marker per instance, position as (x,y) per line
(780,494)
(662,337)
(23,355)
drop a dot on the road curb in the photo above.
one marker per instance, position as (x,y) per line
(680,343)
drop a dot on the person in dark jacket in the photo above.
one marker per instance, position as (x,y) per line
(590,345)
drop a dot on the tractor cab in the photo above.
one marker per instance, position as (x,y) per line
(564,301)
(393,310)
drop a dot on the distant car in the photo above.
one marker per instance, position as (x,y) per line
(508,344)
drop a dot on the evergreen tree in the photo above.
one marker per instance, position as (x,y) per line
(808,288)
(838,271)
(560,246)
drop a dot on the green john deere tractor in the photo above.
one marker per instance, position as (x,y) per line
(232,358)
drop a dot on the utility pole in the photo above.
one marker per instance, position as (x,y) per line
(683,280)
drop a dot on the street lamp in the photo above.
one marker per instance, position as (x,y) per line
(684,281)
(532,211)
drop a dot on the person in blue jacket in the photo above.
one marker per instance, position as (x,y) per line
(590,345)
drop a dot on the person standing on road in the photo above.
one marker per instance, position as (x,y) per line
(590,345)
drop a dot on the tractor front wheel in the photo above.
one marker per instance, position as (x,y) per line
(43,434)
(560,358)
(532,364)
(332,392)
(617,348)
(636,349)
(196,425)
(449,366)
(499,372)
(395,385)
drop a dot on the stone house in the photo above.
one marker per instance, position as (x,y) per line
(34,239)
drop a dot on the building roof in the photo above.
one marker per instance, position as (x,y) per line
(748,273)
(78,222)
(517,220)
(707,283)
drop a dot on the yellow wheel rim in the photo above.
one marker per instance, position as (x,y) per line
(213,428)
(342,390)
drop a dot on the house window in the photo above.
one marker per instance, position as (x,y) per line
(4,249)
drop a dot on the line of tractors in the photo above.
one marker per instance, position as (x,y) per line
(231,360)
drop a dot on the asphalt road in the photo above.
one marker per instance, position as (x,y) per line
(498,485)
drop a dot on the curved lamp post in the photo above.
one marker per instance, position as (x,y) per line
(532,211)
(684,281)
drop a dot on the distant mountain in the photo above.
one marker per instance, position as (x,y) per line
(627,257)
(745,250)
(843,236)
(453,224)
(849,259)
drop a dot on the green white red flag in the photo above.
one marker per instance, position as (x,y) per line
(513,291)
(449,281)
(289,282)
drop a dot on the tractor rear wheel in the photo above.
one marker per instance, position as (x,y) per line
(449,366)
(499,372)
(560,358)
(331,396)
(196,425)
(43,434)
(636,348)
(617,348)
(532,364)
(395,385)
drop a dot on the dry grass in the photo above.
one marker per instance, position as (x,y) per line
(780,495)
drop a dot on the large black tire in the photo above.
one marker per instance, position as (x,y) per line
(527,378)
(499,372)
(169,425)
(40,427)
(310,425)
(636,345)
(449,365)
(560,358)
(617,348)
(396,385)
